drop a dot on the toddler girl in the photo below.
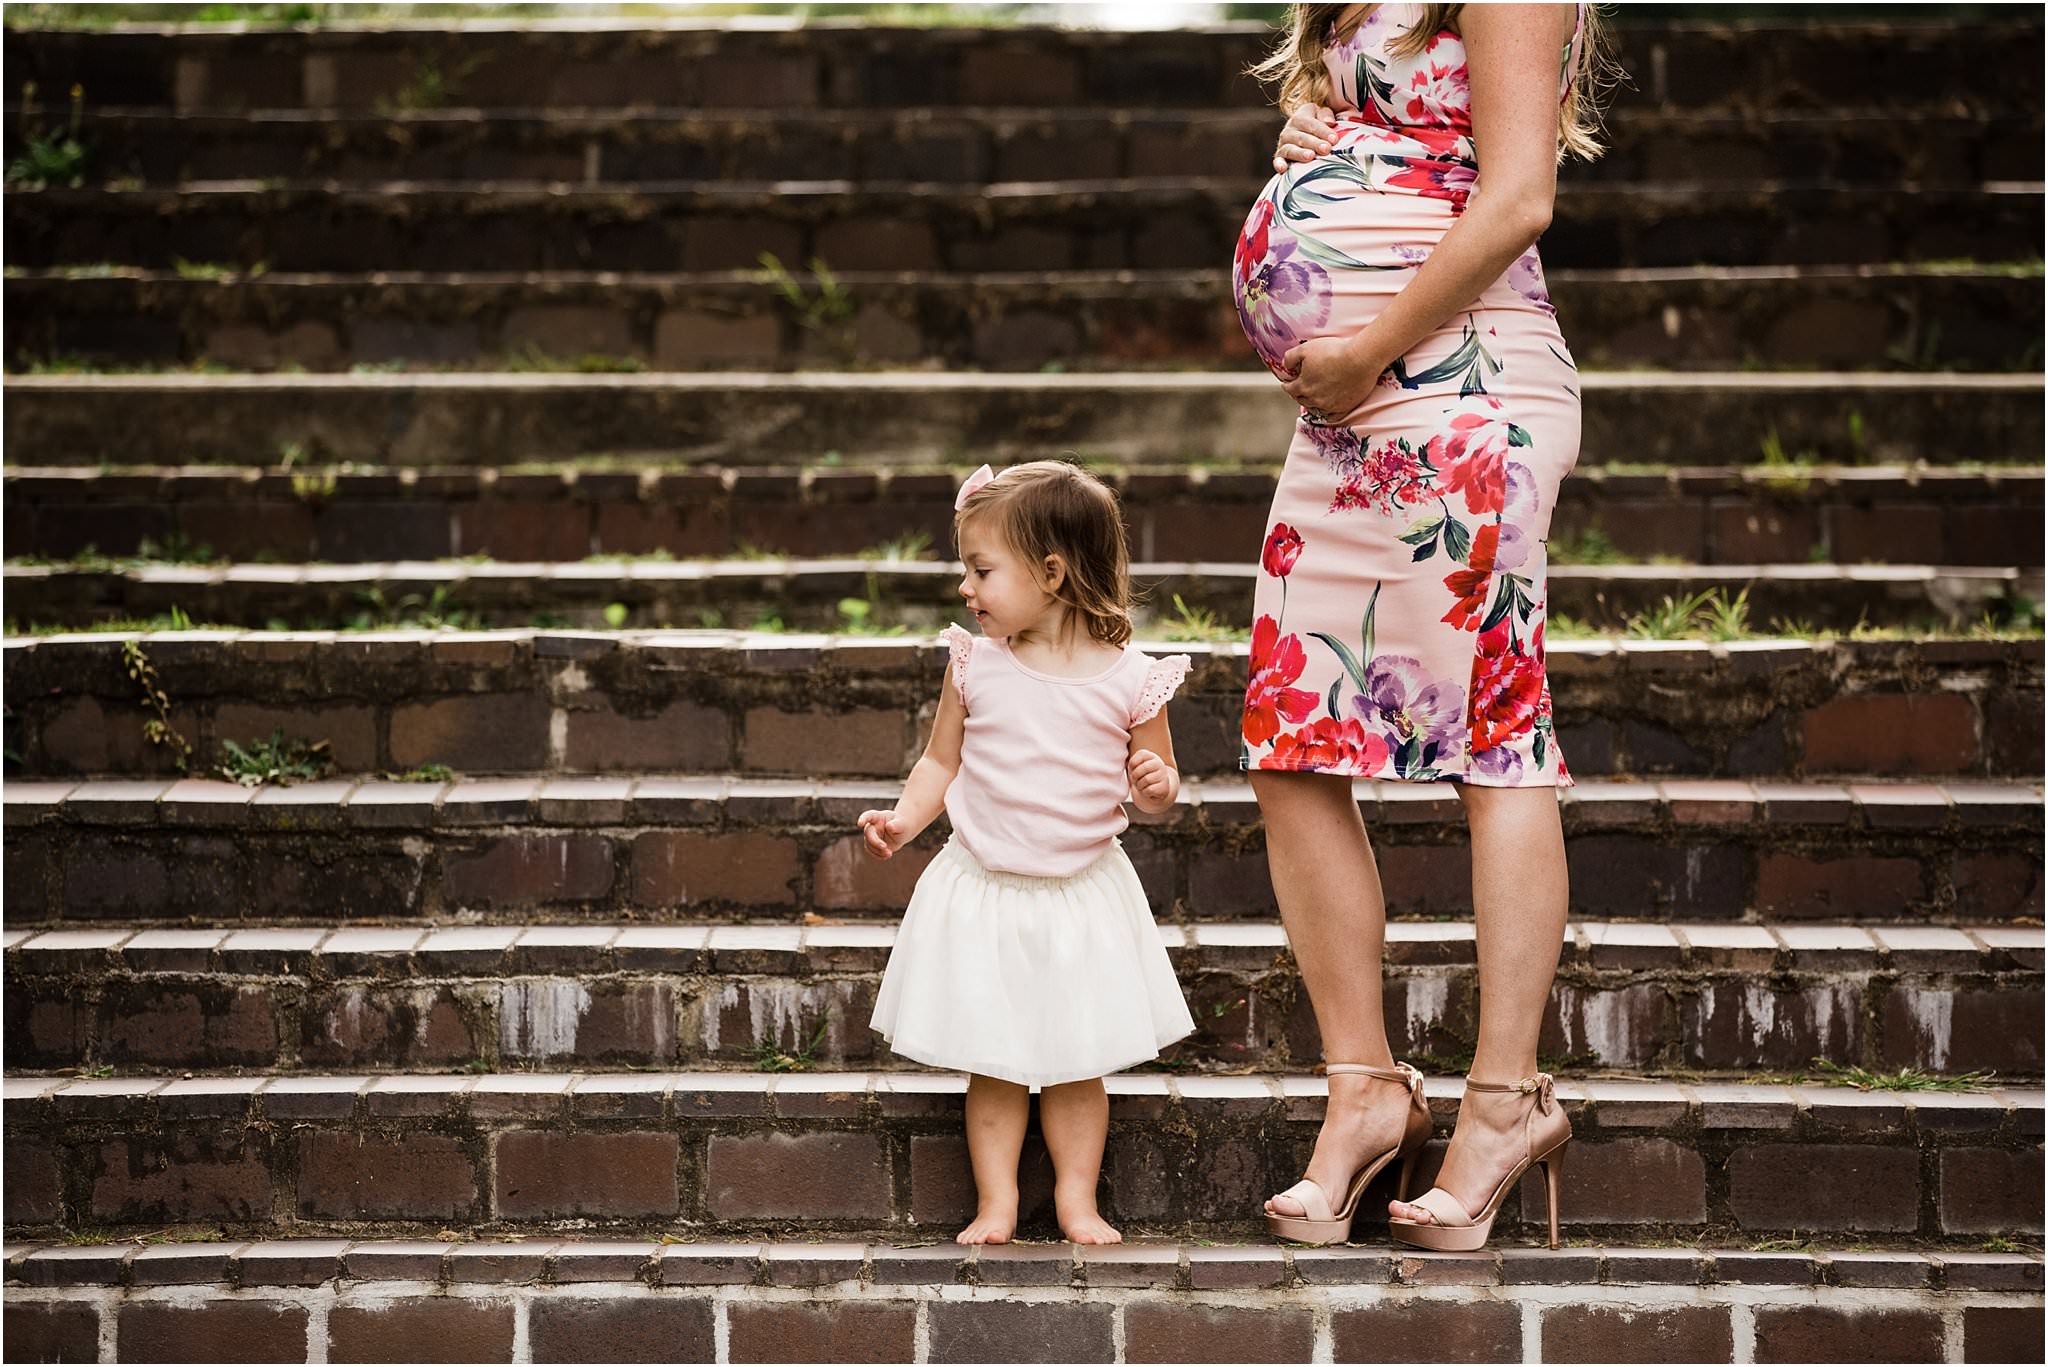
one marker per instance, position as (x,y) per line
(1027,956)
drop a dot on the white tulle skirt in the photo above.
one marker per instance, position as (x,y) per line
(1036,981)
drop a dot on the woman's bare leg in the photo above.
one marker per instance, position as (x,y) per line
(1519,902)
(997,1113)
(1328,888)
(1075,1119)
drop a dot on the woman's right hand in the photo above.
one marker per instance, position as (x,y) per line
(882,833)
(1306,136)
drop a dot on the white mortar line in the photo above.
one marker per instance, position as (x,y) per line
(522,1332)
(1323,1344)
(1532,1329)
(921,1331)
(1742,1333)
(319,1340)
(109,1335)
(1952,1336)
(721,1325)
(1116,1327)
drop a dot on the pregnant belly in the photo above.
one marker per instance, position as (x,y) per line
(1319,257)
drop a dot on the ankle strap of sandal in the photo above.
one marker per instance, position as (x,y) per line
(1402,1073)
(1541,1085)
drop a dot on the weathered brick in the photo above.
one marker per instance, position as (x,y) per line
(351,732)
(1824,1186)
(216,1331)
(1990,1191)
(1996,887)
(531,869)
(208,1025)
(545,1174)
(1625,1182)
(1951,1025)
(1816,1333)
(636,1329)
(55,1331)
(421,1329)
(800,1177)
(862,741)
(844,1332)
(388,1026)
(31,1182)
(1892,733)
(1017,1331)
(1859,887)
(846,877)
(1623,1027)
(1599,1333)
(684,736)
(1428,1331)
(490,732)
(2001,1333)
(1167,1331)
(222,1177)
(548,1018)
(343,1176)
(1747,1023)
(677,870)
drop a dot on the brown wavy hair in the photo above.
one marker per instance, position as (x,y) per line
(1049,507)
(1296,67)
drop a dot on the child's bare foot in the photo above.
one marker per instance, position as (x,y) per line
(992,1225)
(1083,1225)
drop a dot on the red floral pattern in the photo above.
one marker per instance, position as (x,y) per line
(1277,661)
(1327,743)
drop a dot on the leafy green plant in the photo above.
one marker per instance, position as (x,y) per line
(276,760)
(615,615)
(410,611)
(1590,547)
(421,773)
(1196,624)
(1907,1079)
(51,157)
(826,313)
(157,730)
(1724,618)
(1670,619)
(909,546)
(770,1058)
(216,270)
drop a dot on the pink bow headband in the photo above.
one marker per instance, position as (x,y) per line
(973,484)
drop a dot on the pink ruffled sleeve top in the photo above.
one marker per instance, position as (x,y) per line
(1043,775)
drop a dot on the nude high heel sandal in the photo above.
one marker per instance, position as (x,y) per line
(1319,1223)
(1546,1132)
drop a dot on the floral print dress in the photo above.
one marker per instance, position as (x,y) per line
(1398,619)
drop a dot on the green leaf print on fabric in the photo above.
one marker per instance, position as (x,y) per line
(1470,364)
(1352,668)
(1293,203)
(1457,537)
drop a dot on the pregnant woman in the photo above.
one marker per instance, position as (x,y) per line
(1388,277)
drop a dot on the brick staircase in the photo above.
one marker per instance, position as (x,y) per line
(563,1056)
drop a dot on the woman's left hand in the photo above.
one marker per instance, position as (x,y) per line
(1331,376)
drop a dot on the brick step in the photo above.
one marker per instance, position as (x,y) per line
(815,706)
(309,225)
(923,595)
(710,847)
(1891,317)
(913,418)
(702,65)
(1712,515)
(1710,997)
(977,145)
(898,1300)
(725,1155)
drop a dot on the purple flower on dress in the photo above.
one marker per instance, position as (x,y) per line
(1501,762)
(1401,700)
(1518,503)
(1340,447)
(1280,299)
(1526,275)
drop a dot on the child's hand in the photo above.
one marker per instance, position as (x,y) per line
(1151,777)
(882,832)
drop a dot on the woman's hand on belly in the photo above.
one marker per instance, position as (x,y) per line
(1306,136)
(1333,375)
